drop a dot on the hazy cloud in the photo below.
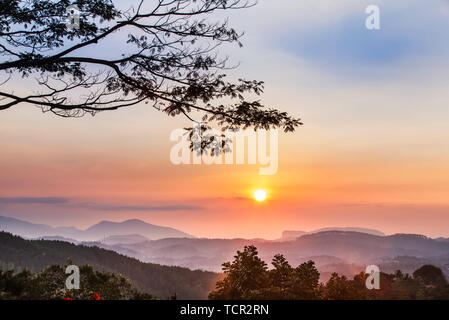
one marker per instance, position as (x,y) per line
(94,206)
(101,207)
(33,200)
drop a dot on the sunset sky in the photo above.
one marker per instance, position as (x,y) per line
(373,151)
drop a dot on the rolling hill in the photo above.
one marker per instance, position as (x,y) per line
(331,250)
(155,279)
(344,250)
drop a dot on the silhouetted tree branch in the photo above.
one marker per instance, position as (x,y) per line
(169,60)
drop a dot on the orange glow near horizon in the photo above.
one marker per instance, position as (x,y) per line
(116,166)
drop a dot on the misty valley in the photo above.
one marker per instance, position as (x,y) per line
(190,267)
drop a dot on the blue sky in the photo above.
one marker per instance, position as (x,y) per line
(333,37)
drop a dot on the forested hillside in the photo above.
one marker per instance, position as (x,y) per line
(157,280)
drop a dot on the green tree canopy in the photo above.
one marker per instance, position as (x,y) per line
(248,277)
(50,285)
(430,275)
(244,277)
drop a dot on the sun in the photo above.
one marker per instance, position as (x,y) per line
(260,195)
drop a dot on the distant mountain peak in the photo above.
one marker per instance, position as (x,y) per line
(132,226)
(351,229)
(135,221)
(129,221)
(96,232)
(291,235)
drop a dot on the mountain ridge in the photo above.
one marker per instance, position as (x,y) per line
(350,247)
(95,232)
(293,234)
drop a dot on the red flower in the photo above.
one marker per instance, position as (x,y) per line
(95,297)
(67,298)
